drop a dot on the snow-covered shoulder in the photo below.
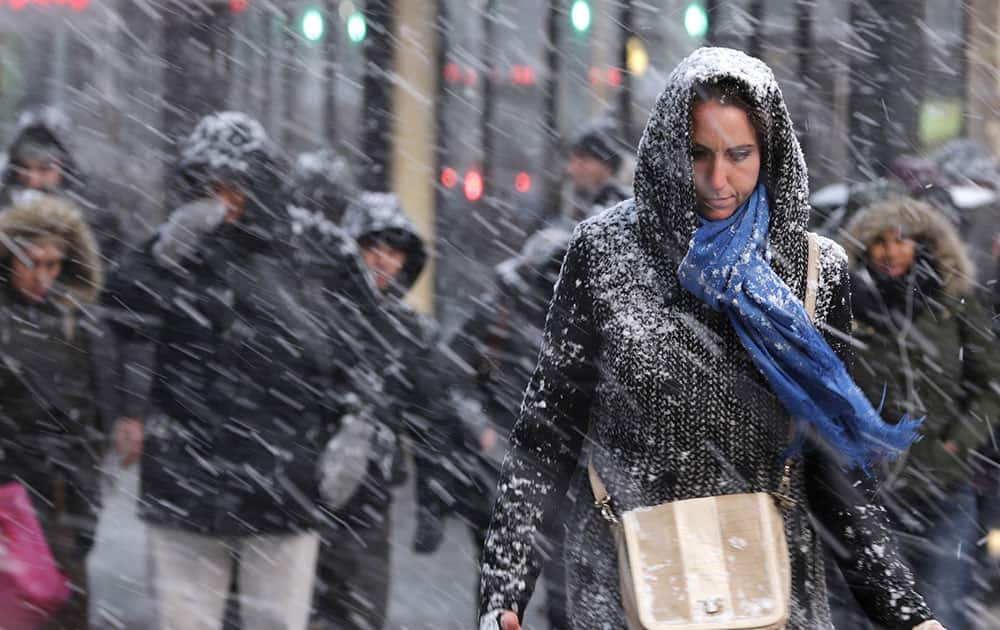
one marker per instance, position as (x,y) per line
(832,259)
(614,221)
(833,267)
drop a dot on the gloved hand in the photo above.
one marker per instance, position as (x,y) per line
(180,238)
(343,464)
(430,531)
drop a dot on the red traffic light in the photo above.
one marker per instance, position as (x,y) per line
(449,177)
(522,183)
(473,186)
(522,75)
(239,6)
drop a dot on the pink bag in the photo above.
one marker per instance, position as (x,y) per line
(32,589)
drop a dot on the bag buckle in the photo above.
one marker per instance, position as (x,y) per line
(784,494)
(711,606)
(604,505)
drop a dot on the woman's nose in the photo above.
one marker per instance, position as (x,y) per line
(718,176)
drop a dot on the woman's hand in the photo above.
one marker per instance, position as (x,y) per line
(930,625)
(509,621)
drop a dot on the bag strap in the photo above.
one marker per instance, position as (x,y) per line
(784,492)
(812,276)
(602,500)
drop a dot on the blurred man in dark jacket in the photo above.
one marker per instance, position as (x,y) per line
(593,163)
(253,368)
(494,353)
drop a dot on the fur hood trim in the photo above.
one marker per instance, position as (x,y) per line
(924,224)
(46,216)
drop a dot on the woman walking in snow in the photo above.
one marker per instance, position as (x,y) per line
(678,347)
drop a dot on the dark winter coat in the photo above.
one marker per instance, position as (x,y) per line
(58,377)
(250,370)
(50,127)
(411,403)
(665,395)
(926,343)
(495,350)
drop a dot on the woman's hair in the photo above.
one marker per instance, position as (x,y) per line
(729,91)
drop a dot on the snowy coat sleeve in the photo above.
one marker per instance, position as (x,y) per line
(471,369)
(852,521)
(545,443)
(980,377)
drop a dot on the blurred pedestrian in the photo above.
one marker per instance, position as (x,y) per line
(354,574)
(248,388)
(927,348)
(58,379)
(674,320)
(41,158)
(592,165)
(494,351)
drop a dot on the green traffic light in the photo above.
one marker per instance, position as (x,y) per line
(356,27)
(580,15)
(696,20)
(313,25)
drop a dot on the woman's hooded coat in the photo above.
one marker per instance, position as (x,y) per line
(59,373)
(665,396)
(926,342)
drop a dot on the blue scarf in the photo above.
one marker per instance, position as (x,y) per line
(727,268)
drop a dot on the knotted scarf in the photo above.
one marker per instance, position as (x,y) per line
(727,267)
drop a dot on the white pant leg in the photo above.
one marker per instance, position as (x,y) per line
(190,578)
(276,580)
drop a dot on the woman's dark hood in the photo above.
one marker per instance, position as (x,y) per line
(233,147)
(376,216)
(44,127)
(664,179)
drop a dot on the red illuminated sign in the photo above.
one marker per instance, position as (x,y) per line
(21,5)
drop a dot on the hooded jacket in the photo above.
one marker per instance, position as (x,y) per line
(250,369)
(50,128)
(58,374)
(412,399)
(926,342)
(665,395)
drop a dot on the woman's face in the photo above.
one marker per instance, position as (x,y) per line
(726,159)
(892,253)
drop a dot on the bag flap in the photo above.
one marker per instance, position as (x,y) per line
(717,563)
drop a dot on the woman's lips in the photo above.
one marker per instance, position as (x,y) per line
(719,204)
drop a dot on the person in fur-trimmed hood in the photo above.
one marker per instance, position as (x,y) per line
(674,318)
(42,159)
(928,348)
(58,378)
